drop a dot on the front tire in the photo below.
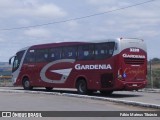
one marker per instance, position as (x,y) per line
(26,84)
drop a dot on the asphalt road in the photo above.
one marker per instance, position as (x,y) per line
(144,97)
(42,102)
(46,102)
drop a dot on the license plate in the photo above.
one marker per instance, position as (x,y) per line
(134,85)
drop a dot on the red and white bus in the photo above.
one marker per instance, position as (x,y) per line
(105,66)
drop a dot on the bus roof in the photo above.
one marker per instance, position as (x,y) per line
(58,44)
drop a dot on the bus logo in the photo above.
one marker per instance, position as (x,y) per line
(133,56)
(63,72)
(92,67)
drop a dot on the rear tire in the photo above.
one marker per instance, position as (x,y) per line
(26,84)
(82,87)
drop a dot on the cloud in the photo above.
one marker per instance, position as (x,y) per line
(49,10)
(109,4)
(100,2)
(24,22)
(140,21)
(37,33)
(30,8)
(147,33)
(72,25)
(138,18)
(41,10)
(2,40)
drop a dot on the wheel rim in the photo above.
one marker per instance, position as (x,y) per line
(82,87)
(26,84)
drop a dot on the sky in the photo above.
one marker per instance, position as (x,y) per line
(135,22)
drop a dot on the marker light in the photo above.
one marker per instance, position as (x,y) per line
(119,74)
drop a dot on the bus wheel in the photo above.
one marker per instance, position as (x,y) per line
(26,84)
(49,88)
(82,87)
(106,92)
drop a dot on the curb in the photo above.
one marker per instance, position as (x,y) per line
(150,90)
(134,103)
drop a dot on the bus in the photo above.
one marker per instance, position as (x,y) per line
(106,66)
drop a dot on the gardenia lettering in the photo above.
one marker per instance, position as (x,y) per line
(133,56)
(92,67)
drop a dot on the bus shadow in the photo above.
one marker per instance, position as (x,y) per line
(117,95)
(98,94)
(56,91)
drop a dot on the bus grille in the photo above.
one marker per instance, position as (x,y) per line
(134,61)
(107,80)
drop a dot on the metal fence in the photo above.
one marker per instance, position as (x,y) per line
(5,81)
(153,75)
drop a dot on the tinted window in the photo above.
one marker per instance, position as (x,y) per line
(30,56)
(104,50)
(42,55)
(111,46)
(69,53)
(55,54)
(86,52)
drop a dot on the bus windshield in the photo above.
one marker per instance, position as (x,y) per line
(17,60)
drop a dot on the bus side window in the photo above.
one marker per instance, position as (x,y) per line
(104,50)
(69,52)
(86,52)
(55,54)
(30,57)
(100,51)
(41,55)
(111,47)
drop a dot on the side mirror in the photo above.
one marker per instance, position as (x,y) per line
(10,60)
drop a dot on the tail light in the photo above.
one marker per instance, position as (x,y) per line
(121,74)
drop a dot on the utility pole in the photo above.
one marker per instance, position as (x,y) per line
(151,78)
